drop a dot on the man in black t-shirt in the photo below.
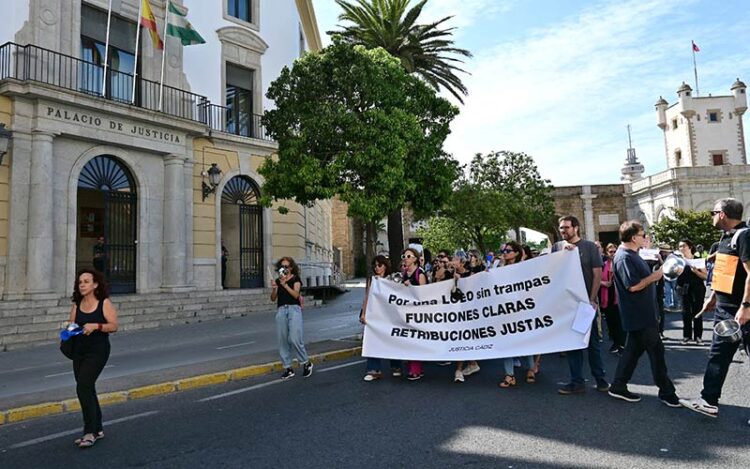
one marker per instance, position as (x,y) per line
(730,298)
(636,289)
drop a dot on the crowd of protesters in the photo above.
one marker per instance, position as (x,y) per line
(627,289)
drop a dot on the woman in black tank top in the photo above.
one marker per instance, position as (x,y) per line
(415,276)
(93,311)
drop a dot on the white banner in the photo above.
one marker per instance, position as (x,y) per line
(537,306)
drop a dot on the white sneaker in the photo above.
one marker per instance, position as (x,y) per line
(699,405)
(459,378)
(471,369)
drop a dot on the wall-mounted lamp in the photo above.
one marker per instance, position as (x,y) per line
(5,136)
(214,177)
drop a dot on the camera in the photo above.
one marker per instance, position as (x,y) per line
(283,272)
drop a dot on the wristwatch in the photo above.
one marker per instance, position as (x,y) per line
(746,304)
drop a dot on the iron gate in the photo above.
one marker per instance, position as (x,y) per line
(120,240)
(251,246)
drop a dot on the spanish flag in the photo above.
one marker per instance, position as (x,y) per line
(148,21)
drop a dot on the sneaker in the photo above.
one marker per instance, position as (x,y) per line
(698,341)
(307,369)
(396,372)
(671,401)
(571,388)
(602,385)
(413,377)
(614,349)
(624,394)
(372,376)
(471,369)
(444,363)
(288,373)
(685,342)
(699,405)
(459,377)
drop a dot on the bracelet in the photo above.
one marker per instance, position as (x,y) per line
(99,326)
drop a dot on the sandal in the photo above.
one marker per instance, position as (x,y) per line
(98,436)
(530,377)
(87,441)
(508,381)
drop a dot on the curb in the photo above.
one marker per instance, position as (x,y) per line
(29,412)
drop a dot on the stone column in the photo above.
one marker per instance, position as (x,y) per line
(588,213)
(188,174)
(174,222)
(40,255)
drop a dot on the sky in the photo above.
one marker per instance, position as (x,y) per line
(561,79)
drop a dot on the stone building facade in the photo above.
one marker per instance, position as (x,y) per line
(599,208)
(105,151)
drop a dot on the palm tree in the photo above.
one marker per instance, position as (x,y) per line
(424,49)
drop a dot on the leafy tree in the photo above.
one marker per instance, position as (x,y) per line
(349,122)
(423,49)
(527,198)
(697,226)
(442,233)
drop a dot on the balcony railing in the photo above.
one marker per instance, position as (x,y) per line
(32,63)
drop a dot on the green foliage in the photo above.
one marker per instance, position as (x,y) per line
(697,226)
(424,49)
(350,122)
(442,233)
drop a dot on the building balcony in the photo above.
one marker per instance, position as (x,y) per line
(30,63)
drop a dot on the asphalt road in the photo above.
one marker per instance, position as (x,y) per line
(334,419)
(42,373)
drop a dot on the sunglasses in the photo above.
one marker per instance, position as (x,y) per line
(285,266)
(714,212)
(378,265)
(407,256)
(507,250)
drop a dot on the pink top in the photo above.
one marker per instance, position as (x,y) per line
(608,275)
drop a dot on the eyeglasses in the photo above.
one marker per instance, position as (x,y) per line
(407,256)
(563,227)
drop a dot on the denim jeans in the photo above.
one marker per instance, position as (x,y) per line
(646,340)
(289,334)
(526,362)
(575,359)
(720,357)
(672,300)
(374,364)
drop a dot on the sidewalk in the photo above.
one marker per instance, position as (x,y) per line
(175,358)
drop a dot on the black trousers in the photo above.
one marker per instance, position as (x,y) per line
(692,327)
(614,325)
(720,357)
(86,370)
(646,340)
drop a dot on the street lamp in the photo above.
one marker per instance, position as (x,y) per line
(5,136)
(214,177)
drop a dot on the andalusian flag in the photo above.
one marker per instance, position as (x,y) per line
(148,21)
(180,27)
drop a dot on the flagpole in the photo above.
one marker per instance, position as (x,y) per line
(106,50)
(137,49)
(164,55)
(695,68)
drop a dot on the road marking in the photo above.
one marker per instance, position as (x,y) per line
(240,391)
(270,383)
(70,372)
(235,345)
(358,362)
(78,431)
(46,365)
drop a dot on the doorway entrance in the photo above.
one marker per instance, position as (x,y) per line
(242,234)
(107,222)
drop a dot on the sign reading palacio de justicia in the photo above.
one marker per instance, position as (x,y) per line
(114,125)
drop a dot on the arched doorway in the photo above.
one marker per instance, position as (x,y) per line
(107,222)
(242,233)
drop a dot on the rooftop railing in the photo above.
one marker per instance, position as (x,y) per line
(33,63)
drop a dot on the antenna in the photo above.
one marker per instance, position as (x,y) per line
(631,151)
(630,144)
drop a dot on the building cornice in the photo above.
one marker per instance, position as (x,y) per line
(309,24)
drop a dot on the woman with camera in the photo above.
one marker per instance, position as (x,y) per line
(381,267)
(690,286)
(93,312)
(286,291)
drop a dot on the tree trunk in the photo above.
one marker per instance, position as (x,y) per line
(395,235)
(371,233)
(518,234)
